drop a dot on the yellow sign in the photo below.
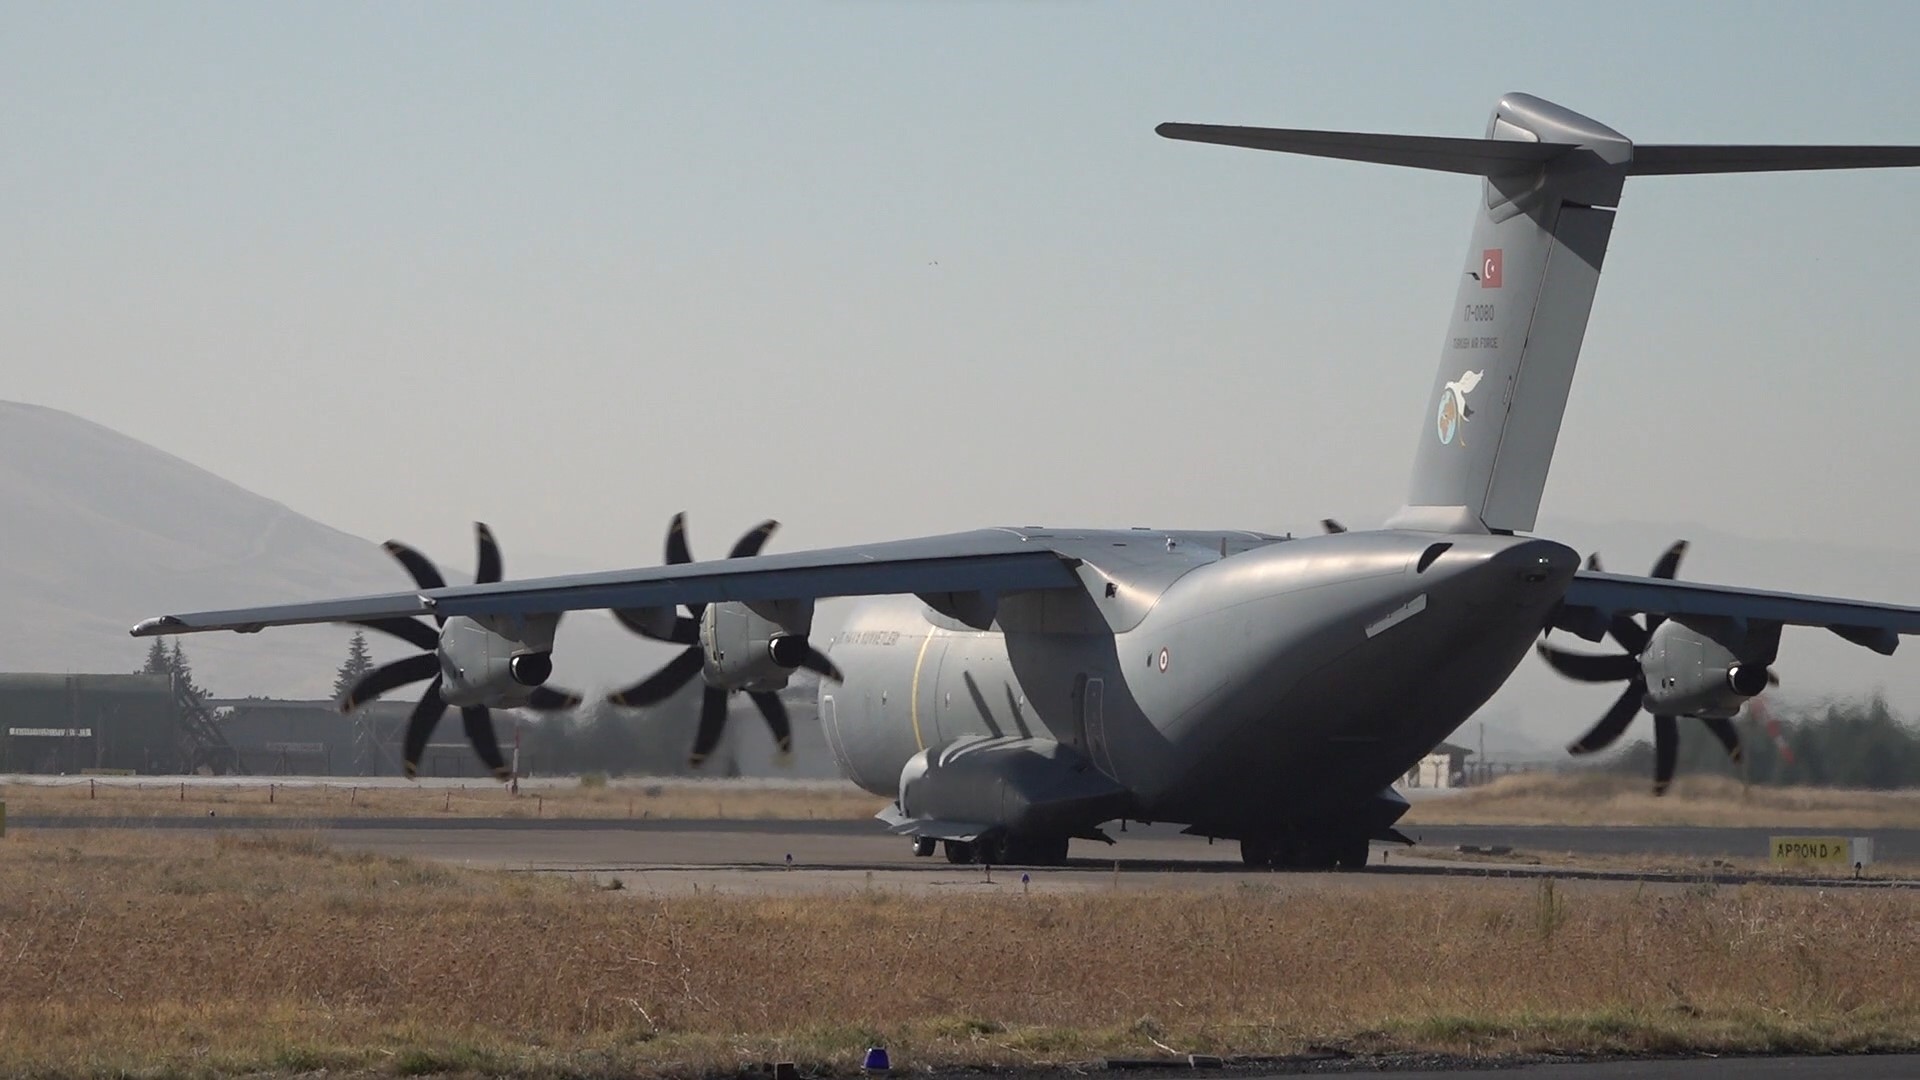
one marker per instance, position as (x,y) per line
(1813,849)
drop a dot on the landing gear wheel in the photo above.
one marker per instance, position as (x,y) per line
(1034,850)
(1257,851)
(959,852)
(1051,851)
(923,846)
(993,849)
(1317,853)
(1352,853)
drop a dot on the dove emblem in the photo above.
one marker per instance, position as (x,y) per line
(1453,407)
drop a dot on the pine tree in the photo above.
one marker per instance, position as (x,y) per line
(158,662)
(182,672)
(354,668)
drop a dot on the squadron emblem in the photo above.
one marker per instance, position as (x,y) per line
(1454,411)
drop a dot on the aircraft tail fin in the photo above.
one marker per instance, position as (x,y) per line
(1552,181)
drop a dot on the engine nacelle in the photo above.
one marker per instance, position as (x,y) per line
(494,660)
(754,646)
(1709,668)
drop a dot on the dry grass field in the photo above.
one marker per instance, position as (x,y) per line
(136,953)
(160,798)
(1596,798)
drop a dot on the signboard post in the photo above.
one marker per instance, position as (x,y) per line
(1854,852)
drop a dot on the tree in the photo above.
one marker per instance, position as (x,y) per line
(158,662)
(354,667)
(182,673)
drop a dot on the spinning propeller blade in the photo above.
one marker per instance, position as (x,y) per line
(477,719)
(682,669)
(1625,667)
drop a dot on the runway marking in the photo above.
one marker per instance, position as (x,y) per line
(913,694)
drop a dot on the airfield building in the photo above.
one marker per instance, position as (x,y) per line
(74,723)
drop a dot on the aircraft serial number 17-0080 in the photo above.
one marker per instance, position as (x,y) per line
(1012,689)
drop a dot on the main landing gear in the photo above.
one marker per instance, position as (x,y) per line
(1305,852)
(999,849)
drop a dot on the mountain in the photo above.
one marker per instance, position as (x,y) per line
(98,530)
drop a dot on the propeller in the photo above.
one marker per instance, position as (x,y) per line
(425,666)
(1625,667)
(683,668)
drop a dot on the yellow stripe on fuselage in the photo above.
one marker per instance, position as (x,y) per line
(913,693)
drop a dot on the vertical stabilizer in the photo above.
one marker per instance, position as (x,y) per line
(1540,229)
(1526,288)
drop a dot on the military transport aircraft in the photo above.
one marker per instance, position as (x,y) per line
(1013,688)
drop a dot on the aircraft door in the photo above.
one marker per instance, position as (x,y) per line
(830,725)
(1093,724)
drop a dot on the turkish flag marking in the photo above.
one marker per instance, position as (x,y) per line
(1490,268)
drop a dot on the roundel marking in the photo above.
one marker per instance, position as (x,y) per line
(1447,420)
(1163,659)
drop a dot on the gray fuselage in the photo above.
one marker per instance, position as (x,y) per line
(1234,682)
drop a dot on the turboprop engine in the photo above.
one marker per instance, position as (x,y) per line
(497,661)
(1703,668)
(754,647)
(502,661)
(1689,672)
(732,646)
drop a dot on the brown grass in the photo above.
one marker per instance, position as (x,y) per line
(174,954)
(1595,798)
(162,798)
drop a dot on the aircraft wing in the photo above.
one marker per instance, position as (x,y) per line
(985,560)
(1591,593)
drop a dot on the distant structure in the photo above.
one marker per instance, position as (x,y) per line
(1445,767)
(71,724)
(279,737)
(106,723)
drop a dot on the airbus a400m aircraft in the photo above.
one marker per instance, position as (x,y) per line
(1013,688)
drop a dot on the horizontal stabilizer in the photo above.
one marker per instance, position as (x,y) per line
(1511,157)
(1681,160)
(1476,157)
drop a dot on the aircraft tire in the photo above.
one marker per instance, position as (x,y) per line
(923,846)
(1259,851)
(1318,853)
(1352,853)
(1042,850)
(959,852)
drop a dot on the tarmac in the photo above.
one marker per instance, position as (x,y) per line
(781,856)
(811,857)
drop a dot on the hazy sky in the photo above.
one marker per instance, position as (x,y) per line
(888,269)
